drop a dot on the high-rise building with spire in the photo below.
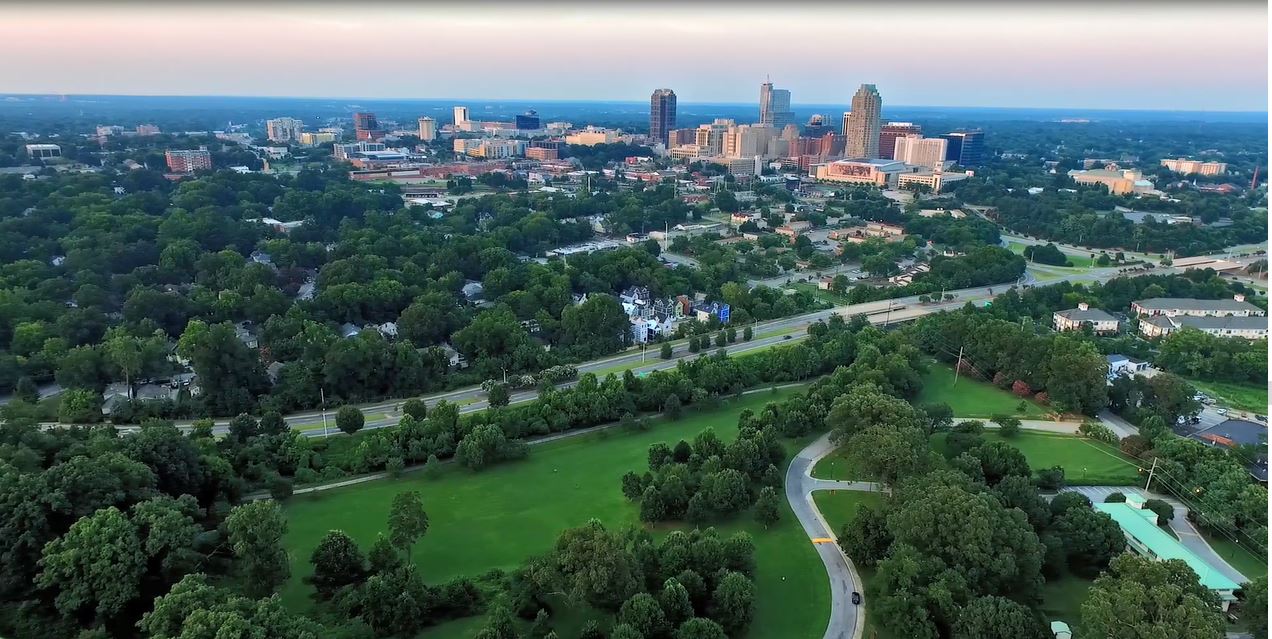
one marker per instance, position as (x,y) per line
(863,124)
(775,107)
(662,114)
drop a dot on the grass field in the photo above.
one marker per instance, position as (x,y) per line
(1085,462)
(972,397)
(1062,601)
(499,517)
(841,466)
(1250,564)
(1247,397)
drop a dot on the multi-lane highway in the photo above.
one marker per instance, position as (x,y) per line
(767,334)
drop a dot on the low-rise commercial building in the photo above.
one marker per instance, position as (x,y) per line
(1121,182)
(934,180)
(1144,536)
(44,151)
(882,173)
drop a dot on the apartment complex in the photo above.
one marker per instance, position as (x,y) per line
(1190,167)
(928,153)
(1100,321)
(1118,182)
(284,129)
(188,161)
(1236,317)
(428,129)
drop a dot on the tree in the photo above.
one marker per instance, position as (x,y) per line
(733,603)
(675,602)
(430,319)
(1008,426)
(1254,612)
(998,618)
(415,407)
(96,567)
(1091,539)
(747,334)
(337,562)
(594,566)
(664,351)
(768,508)
(1164,511)
(643,613)
(195,610)
(1064,502)
(671,407)
(720,339)
(349,419)
(866,538)
(407,520)
(498,396)
(230,374)
(483,445)
(79,406)
(256,533)
(598,326)
(1142,597)
(700,628)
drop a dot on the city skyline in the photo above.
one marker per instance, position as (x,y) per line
(1045,57)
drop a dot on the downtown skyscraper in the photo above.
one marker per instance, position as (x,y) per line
(775,107)
(662,114)
(862,124)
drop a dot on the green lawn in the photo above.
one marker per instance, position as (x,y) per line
(972,397)
(1247,397)
(1085,462)
(1247,562)
(1062,601)
(497,518)
(841,466)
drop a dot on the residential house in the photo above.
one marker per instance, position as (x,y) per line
(246,334)
(348,330)
(1102,322)
(454,358)
(1239,432)
(1121,365)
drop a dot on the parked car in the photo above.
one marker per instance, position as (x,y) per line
(1221,411)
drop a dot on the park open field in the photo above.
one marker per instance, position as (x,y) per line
(500,516)
(971,397)
(1085,462)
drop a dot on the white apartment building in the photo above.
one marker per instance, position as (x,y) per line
(915,150)
(428,129)
(284,129)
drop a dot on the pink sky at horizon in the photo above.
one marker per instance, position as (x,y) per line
(1135,56)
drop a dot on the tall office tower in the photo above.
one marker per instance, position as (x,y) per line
(965,147)
(863,125)
(889,134)
(461,116)
(428,129)
(528,121)
(928,153)
(843,128)
(366,126)
(775,106)
(662,114)
(283,129)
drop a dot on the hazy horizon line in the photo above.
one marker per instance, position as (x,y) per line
(615,101)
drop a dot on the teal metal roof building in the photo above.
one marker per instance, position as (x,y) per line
(1144,536)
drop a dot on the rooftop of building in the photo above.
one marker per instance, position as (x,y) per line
(1190,304)
(1087,315)
(1230,323)
(1138,523)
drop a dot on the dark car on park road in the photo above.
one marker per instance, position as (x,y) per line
(856,598)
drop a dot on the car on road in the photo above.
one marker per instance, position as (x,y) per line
(1221,411)
(1262,418)
(856,598)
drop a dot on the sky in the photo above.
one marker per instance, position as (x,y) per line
(1196,56)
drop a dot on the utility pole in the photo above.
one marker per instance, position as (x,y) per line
(1150,474)
(959,366)
(323,398)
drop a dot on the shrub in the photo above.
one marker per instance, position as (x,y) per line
(1135,445)
(1021,389)
(1115,498)
(1051,478)
(1099,432)
(1164,511)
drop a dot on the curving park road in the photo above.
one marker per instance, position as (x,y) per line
(847,621)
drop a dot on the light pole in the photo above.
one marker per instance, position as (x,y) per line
(323,407)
